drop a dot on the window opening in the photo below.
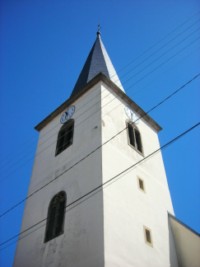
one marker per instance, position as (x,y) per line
(55,216)
(148,237)
(135,137)
(141,184)
(65,136)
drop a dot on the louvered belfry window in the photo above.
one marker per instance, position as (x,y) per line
(65,136)
(56,216)
(135,137)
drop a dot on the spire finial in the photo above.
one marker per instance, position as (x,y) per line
(98,30)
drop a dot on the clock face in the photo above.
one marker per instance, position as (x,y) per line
(67,114)
(131,115)
(128,112)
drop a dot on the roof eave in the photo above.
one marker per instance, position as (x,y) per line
(100,77)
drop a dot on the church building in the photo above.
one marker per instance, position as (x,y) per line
(98,195)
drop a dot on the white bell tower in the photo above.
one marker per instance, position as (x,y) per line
(95,200)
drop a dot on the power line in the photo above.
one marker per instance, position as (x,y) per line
(163,63)
(111,100)
(165,38)
(164,45)
(94,190)
(93,151)
(138,89)
(163,54)
(86,118)
(160,41)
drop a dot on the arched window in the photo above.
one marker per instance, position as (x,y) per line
(65,136)
(56,216)
(135,137)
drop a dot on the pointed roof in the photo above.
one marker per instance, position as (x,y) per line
(97,61)
(98,68)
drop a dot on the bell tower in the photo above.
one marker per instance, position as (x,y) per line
(95,197)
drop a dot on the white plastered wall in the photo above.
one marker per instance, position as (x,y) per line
(81,245)
(127,210)
(105,229)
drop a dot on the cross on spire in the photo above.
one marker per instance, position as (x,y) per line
(98,30)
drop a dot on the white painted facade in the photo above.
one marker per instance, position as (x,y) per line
(106,228)
(83,230)
(127,209)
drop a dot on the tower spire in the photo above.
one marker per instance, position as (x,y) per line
(98,61)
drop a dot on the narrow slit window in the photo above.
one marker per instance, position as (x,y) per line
(65,136)
(55,216)
(135,137)
(148,237)
(141,184)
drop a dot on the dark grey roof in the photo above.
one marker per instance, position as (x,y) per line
(97,61)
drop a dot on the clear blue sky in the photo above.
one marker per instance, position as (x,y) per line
(154,46)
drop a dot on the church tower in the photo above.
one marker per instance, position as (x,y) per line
(96,198)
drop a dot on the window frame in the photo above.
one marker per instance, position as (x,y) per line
(148,236)
(136,139)
(55,216)
(141,184)
(62,143)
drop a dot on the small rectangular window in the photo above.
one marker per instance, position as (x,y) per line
(141,184)
(147,235)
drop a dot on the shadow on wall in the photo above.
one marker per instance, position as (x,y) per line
(172,248)
(187,243)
